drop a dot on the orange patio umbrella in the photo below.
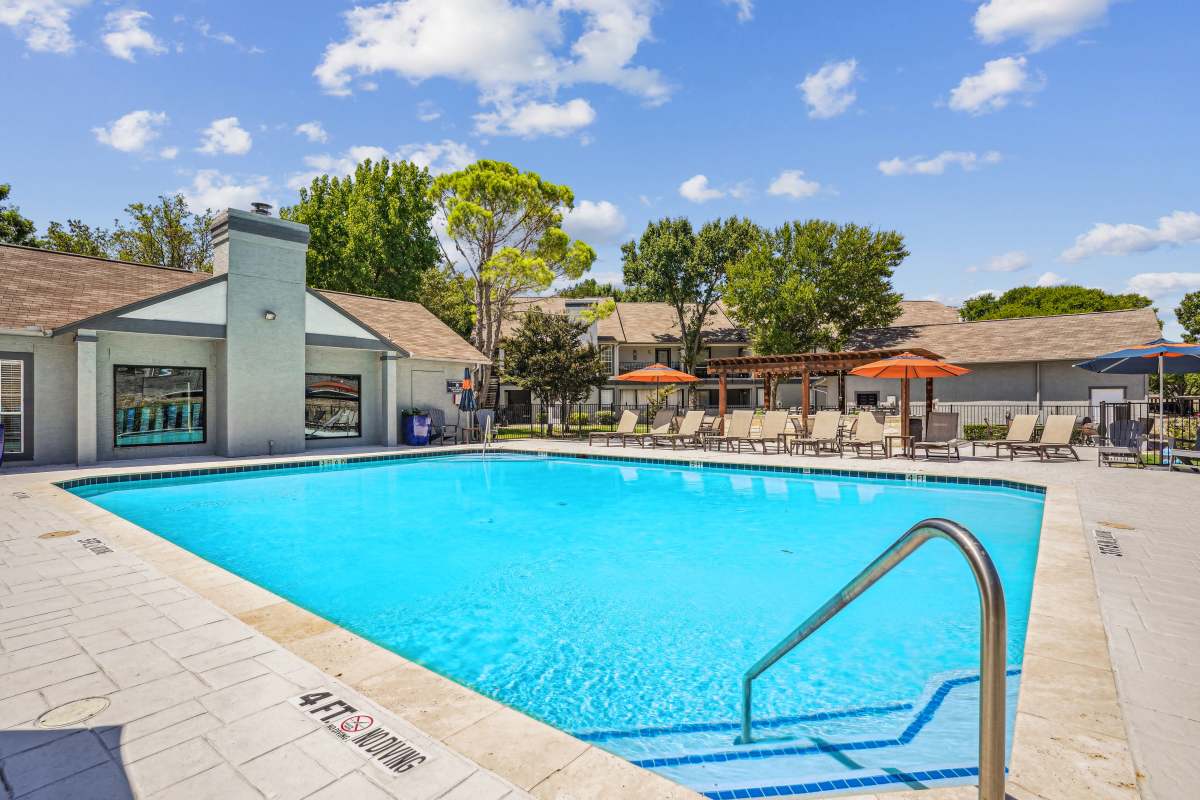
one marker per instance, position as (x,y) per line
(657,374)
(905,367)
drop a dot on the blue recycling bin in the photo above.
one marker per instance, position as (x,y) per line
(416,429)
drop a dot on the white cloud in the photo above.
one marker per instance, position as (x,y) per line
(226,136)
(514,53)
(792,183)
(217,191)
(533,119)
(1050,279)
(919,165)
(444,156)
(992,88)
(132,132)
(745,9)
(1012,261)
(595,222)
(427,111)
(205,29)
(1164,284)
(168,152)
(124,34)
(827,91)
(697,190)
(1040,22)
(44,24)
(313,131)
(1179,227)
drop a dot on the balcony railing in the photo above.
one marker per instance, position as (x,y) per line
(630,366)
(700,371)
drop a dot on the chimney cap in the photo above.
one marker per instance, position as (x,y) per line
(261,208)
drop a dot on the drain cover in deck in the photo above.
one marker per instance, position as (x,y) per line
(72,713)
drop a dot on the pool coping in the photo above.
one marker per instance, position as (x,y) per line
(1069,739)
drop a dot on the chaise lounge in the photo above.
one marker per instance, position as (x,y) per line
(1056,437)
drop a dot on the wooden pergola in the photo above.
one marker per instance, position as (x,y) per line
(806,365)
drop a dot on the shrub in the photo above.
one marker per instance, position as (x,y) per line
(981,433)
(606,417)
(580,418)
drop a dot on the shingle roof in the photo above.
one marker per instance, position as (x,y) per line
(925,312)
(1060,338)
(637,323)
(44,289)
(410,325)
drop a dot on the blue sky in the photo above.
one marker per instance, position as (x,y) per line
(1010,141)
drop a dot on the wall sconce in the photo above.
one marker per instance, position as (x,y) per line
(268,315)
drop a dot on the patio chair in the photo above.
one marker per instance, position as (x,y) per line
(942,436)
(1123,443)
(824,433)
(625,427)
(737,429)
(709,423)
(439,430)
(1056,437)
(688,433)
(868,433)
(483,417)
(664,418)
(1020,431)
(771,432)
(1185,458)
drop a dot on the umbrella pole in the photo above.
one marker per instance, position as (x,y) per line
(1162,411)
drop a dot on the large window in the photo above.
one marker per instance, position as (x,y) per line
(158,405)
(12,406)
(331,406)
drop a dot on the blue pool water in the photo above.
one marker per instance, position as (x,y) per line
(622,601)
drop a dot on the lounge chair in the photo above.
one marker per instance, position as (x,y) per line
(736,430)
(1056,437)
(942,436)
(1125,440)
(626,427)
(1185,458)
(664,418)
(868,433)
(1020,431)
(824,433)
(709,423)
(688,433)
(771,433)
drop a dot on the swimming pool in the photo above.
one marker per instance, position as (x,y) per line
(622,601)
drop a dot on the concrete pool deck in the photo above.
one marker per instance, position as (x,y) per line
(1071,731)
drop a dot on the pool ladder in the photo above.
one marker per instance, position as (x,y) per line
(992,638)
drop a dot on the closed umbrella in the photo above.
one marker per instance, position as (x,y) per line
(905,367)
(1161,356)
(466,398)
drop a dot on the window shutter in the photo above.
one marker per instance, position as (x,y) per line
(12,409)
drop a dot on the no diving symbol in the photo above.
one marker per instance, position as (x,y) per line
(357,723)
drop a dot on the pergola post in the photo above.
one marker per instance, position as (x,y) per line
(722,394)
(767,391)
(928,400)
(804,394)
(842,390)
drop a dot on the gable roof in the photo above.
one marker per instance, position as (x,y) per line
(410,325)
(925,312)
(635,323)
(1067,337)
(43,289)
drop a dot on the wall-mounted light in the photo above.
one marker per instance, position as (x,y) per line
(268,315)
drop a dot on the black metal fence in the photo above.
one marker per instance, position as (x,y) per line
(977,421)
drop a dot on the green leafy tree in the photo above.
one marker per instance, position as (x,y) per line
(1045,301)
(1188,314)
(504,227)
(165,232)
(14,228)
(673,264)
(814,284)
(371,232)
(548,355)
(447,293)
(588,287)
(78,237)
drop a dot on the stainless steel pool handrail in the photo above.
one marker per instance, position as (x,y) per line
(993,635)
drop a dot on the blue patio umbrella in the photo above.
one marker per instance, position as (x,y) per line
(1159,356)
(466,398)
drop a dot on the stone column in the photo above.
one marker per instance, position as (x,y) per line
(85,397)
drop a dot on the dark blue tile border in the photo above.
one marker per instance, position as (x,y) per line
(884,779)
(334,462)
